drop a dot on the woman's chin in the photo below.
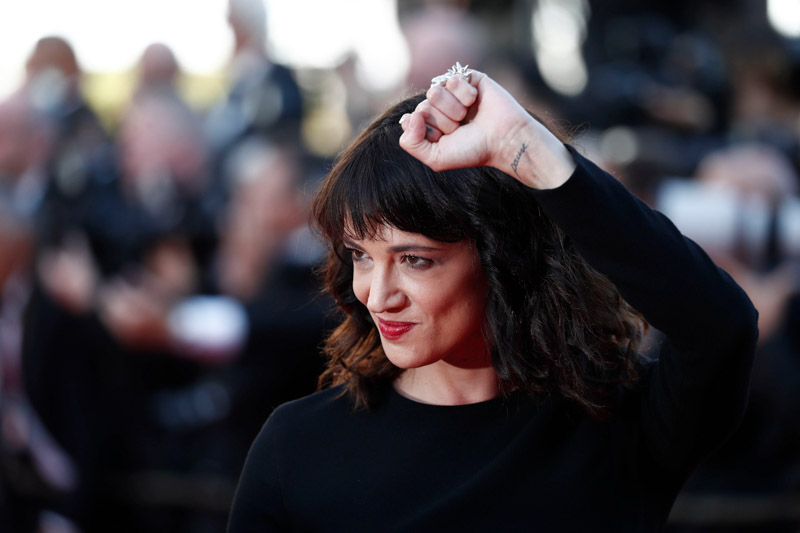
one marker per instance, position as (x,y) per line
(404,359)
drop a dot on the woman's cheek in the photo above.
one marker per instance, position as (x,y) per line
(361,287)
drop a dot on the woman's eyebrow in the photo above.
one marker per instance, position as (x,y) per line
(413,248)
(398,248)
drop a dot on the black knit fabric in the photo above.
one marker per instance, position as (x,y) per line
(512,464)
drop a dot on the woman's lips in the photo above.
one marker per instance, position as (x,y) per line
(394,330)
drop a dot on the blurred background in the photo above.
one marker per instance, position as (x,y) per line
(157,160)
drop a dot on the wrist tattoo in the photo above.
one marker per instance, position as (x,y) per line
(515,163)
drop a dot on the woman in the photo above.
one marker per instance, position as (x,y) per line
(484,377)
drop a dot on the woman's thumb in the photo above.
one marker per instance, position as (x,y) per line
(413,139)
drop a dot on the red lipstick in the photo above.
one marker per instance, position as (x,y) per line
(393,330)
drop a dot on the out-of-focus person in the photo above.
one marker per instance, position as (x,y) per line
(266,261)
(158,70)
(38,477)
(53,84)
(26,137)
(264,97)
(197,335)
(127,247)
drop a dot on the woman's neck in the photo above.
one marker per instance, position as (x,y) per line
(444,384)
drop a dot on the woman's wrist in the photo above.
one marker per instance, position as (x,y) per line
(536,157)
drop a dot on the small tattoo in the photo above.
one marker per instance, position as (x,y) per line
(515,163)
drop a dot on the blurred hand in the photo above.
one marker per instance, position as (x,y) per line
(69,274)
(170,268)
(134,315)
(475,122)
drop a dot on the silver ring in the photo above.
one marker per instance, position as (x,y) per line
(455,69)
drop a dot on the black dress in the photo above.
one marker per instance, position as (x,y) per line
(511,463)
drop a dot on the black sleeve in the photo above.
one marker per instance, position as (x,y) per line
(258,505)
(696,393)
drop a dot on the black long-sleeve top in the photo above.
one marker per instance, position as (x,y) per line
(511,463)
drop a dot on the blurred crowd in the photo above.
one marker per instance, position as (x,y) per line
(158,295)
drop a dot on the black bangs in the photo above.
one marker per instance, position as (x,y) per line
(399,191)
(377,183)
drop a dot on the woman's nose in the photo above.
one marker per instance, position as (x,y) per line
(385,293)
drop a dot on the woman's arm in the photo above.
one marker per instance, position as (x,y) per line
(698,390)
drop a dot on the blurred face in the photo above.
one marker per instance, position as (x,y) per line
(15,141)
(144,144)
(426,297)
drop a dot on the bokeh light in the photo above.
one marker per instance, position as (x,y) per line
(559,29)
(110,36)
(784,15)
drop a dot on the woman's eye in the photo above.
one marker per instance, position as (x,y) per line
(415,261)
(357,255)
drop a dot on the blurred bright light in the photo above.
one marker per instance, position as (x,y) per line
(383,57)
(111,36)
(309,33)
(323,34)
(784,15)
(619,145)
(559,29)
(708,216)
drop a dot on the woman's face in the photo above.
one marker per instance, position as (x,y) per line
(427,298)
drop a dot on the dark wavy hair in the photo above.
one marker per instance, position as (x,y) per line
(555,325)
